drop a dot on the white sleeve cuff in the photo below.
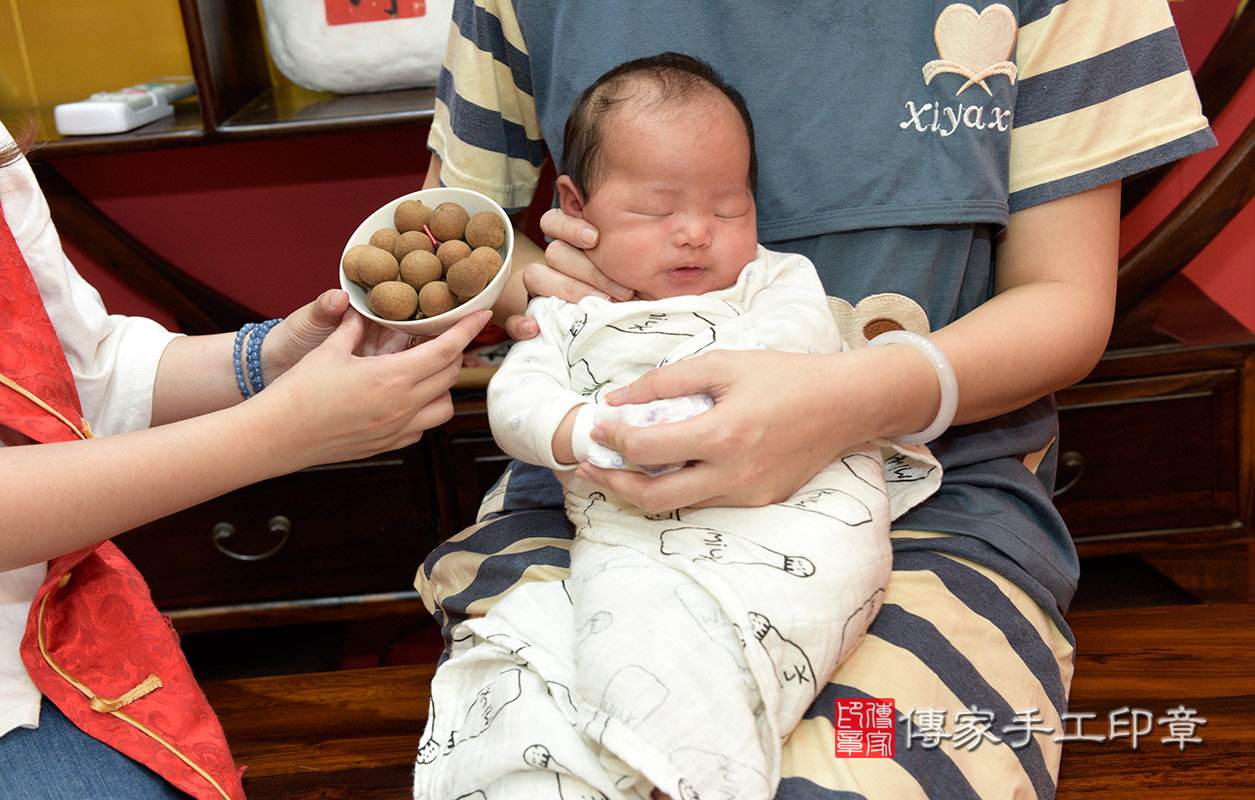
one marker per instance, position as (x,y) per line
(581,435)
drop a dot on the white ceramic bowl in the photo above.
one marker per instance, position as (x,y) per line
(473,202)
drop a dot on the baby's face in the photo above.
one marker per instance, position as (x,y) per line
(674,209)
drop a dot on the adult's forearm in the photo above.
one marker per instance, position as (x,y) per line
(514,297)
(196,375)
(67,495)
(1051,335)
(1051,315)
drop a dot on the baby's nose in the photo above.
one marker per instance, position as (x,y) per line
(695,229)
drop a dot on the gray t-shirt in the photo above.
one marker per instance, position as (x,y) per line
(892,148)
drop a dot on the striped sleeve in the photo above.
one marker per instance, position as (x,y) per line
(485,129)
(1104,93)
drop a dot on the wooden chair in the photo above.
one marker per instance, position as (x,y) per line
(355,733)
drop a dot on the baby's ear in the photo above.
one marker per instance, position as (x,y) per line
(570,200)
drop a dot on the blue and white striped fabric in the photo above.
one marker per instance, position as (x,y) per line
(956,645)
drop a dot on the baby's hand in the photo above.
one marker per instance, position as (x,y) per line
(643,415)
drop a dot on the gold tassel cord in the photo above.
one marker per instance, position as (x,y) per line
(82,433)
(114,707)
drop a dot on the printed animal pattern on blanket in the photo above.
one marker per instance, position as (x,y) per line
(794,666)
(539,757)
(629,697)
(636,346)
(483,710)
(720,548)
(609,690)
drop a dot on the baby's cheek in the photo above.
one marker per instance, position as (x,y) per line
(625,259)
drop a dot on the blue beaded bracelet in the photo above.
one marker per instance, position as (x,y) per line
(252,354)
(237,352)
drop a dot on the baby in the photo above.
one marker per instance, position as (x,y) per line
(685,646)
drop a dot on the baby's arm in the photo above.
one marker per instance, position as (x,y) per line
(531,406)
(563,452)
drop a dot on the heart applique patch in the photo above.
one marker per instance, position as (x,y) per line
(976,46)
(877,314)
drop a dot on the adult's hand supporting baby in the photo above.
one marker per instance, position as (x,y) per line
(778,419)
(566,272)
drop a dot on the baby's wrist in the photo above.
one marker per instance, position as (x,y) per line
(561,444)
(582,432)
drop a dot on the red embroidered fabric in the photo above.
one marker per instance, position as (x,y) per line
(101,628)
(30,353)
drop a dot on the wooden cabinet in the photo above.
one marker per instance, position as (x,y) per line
(468,461)
(337,541)
(1158,443)
(1154,454)
(1158,451)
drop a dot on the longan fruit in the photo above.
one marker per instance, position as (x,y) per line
(376,265)
(435,299)
(420,268)
(393,300)
(410,241)
(467,278)
(448,221)
(411,215)
(384,238)
(485,229)
(490,258)
(452,251)
(351,262)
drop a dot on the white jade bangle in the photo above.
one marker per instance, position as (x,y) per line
(581,434)
(945,375)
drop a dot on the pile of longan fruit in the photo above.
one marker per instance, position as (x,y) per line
(407,275)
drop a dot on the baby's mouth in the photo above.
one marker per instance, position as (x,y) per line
(686,271)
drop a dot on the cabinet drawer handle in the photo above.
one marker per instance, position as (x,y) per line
(279,525)
(1074,461)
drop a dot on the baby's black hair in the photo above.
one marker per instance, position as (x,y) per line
(676,76)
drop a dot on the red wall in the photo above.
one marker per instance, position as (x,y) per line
(263,222)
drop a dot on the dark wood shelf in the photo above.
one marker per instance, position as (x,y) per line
(181,130)
(236,98)
(290,110)
(279,112)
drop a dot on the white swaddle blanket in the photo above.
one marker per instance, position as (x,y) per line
(684,646)
(679,654)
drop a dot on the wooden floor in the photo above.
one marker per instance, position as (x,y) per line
(347,734)
(1158,659)
(355,733)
